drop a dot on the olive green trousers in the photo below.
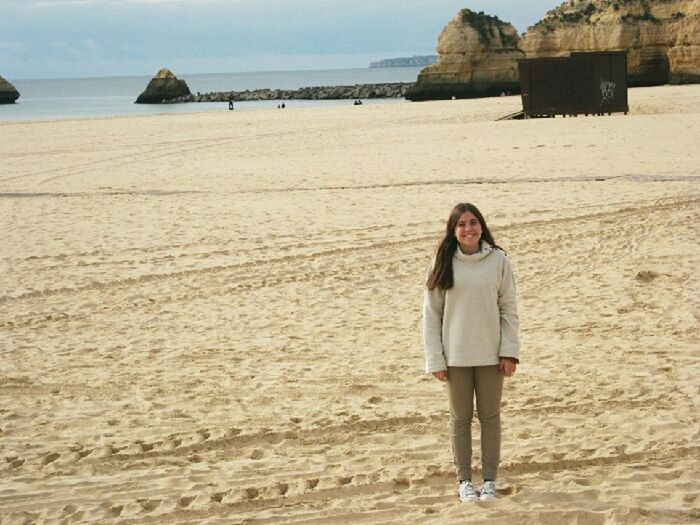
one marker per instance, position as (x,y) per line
(463,382)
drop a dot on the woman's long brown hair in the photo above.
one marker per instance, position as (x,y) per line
(441,274)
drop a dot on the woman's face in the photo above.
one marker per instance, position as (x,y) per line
(468,232)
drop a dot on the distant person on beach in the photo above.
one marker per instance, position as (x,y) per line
(230,104)
(470,330)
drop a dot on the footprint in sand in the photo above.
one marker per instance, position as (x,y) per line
(185,501)
(344,480)
(171,444)
(131,510)
(239,495)
(312,483)
(50,458)
(15,463)
(149,505)
(278,490)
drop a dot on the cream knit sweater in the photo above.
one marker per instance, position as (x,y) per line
(476,321)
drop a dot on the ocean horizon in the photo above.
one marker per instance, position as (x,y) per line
(95,97)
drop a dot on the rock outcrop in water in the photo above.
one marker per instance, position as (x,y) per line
(661,37)
(477,56)
(8,92)
(163,88)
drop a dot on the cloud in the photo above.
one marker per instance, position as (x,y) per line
(121,2)
(194,3)
(79,36)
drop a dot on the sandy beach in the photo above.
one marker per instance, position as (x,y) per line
(215,317)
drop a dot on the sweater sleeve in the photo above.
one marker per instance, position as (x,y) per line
(433,309)
(508,311)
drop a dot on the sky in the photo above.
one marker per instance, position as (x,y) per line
(93,38)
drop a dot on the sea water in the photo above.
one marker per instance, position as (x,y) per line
(61,98)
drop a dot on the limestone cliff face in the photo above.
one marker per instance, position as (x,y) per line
(684,56)
(162,88)
(477,56)
(660,36)
(8,92)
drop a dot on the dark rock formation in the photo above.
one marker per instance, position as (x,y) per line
(163,88)
(477,56)
(358,91)
(8,93)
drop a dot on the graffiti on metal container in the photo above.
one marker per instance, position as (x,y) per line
(607,92)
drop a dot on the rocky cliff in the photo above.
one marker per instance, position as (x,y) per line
(477,56)
(414,61)
(162,88)
(478,53)
(660,36)
(8,93)
(684,56)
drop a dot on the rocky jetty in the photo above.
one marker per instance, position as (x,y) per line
(8,92)
(661,37)
(358,91)
(477,56)
(163,88)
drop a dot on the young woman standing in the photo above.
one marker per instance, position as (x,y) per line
(470,330)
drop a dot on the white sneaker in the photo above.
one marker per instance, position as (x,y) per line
(488,491)
(466,491)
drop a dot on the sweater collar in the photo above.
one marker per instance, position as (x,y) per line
(484,251)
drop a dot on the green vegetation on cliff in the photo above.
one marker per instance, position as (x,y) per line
(483,22)
(584,12)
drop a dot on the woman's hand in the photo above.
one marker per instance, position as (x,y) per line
(441,375)
(508,365)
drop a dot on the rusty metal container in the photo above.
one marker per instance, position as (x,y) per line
(582,84)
